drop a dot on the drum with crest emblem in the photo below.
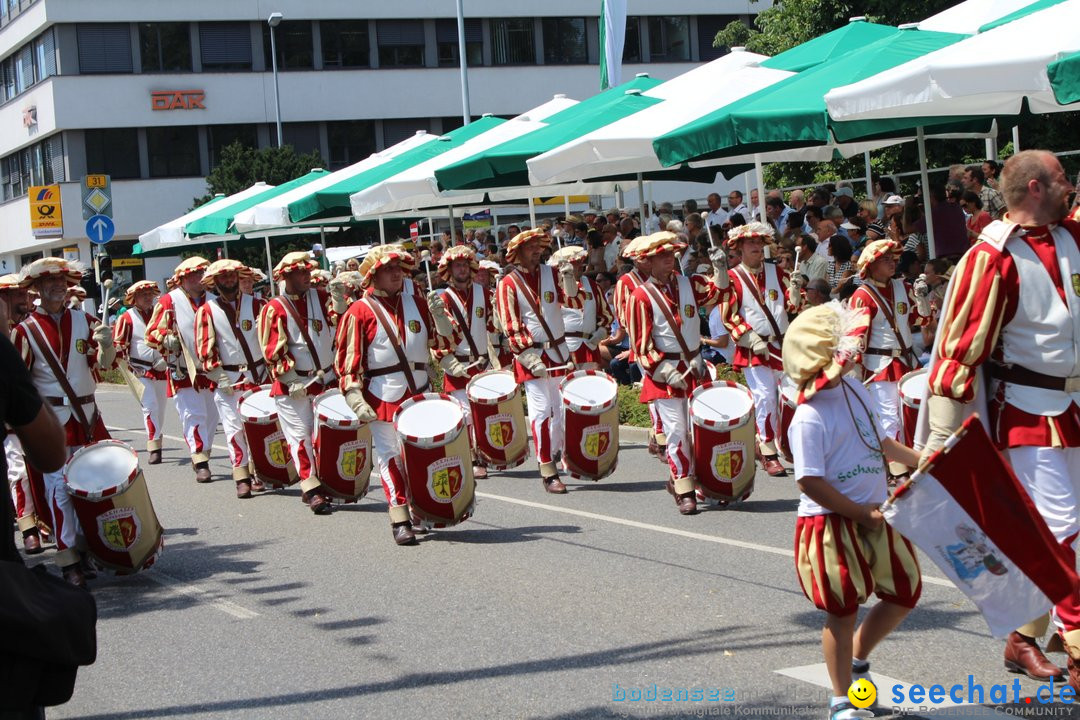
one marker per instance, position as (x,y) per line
(722,417)
(342,448)
(437,458)
(591,421)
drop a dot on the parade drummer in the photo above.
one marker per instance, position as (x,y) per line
(469,305)
(589,320)
(756,316)
(64,350)
(146,364)
(171,332)
(530,300)
(665,332)
(227,346)
(895,306)
(296,337)
(384,344)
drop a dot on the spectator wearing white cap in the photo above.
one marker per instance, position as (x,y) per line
(320,256)
(844,198)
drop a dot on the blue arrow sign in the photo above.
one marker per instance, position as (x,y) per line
(100,229)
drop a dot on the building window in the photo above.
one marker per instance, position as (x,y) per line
(24,68)
(304,137)
(707,27)
(104,48)
(564,41)
(394,131)
(225,46)
(447,36)
(165,47)
(11,176)
(349,142)
(294,45)
(222,136)
(632,45)
(513,41)
(669,39)
(345,44)
(113,151)
(174,151)
(40,164)
(401,43)
(45,55)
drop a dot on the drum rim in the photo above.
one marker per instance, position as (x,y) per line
(324,420)
(109,491)
(438,440)
(914,403)
(716,424)
(589,409)
(262,419)
(494,401)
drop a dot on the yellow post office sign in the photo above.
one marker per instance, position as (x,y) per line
(46,215)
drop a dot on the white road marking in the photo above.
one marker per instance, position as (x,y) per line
(819,675)
(928,579)
(179,587)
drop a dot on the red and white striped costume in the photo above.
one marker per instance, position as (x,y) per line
(624,288)
(216,346)
(191,389)
(365,358)
(742,313)
(653,340)
(129,337)
(285,349)
(1014,307)
(591,311)
(68,337)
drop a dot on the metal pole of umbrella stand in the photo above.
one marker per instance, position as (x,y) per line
(924,176)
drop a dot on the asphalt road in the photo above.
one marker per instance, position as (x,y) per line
(539,607)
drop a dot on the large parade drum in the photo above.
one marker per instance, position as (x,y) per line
(342,448)
(591,422)
(787,401)
(912,391)
(109,494)
(498,419)
(437,457)
(269,449)
(722,418)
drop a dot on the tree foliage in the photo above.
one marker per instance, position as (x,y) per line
(792,22)
(241,167)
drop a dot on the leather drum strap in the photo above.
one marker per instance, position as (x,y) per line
(291,309)
(231,315)
(662,303)
(463,323)
(46,352)
(753,289)
(534,305)
(886,308)
(390,329)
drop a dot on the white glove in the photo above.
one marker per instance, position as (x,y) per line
(567,280)
(453,367)
(530,360)
(754,343)
(439,316)
(339,294)
(599,334)
(160,365)
(667,373)
(294,384)
(221,378)
(697,368)
(718,258)
(798,281)
(354,398)
(921,290)
(171,344)
(944,416)
(106,349)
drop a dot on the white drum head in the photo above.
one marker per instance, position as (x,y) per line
(332,406)
(913,386)
(722,404)
(429,417)
(100,468)
(590,390)
(491,386)
(259,405)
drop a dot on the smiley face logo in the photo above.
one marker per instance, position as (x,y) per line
(862,693)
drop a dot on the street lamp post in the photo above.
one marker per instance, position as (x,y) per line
(273,21)
(466,114)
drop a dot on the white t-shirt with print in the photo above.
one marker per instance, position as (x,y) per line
(825,442)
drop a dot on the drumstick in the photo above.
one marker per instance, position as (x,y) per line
(560,367)
(105,301)
(426,257)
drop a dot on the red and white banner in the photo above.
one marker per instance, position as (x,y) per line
(967,511)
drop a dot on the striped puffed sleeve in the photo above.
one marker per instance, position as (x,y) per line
(274,339)
(517,334)
(162,321)
(21,341)
(970,323)
(206,351)
(729,309)
(121,332)
(355,331)
(620,297)
(604,314)
(639,325)
(706,294)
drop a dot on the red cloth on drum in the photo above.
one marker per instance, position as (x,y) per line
(585,354)
(75,436)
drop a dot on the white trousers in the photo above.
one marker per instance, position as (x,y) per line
(386,445)
(18,480)
(545,416)
(65,522)
(886,396)
(674,414)
(228,407)
(297,419)
(764,384)
(153,410)
(198,418)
